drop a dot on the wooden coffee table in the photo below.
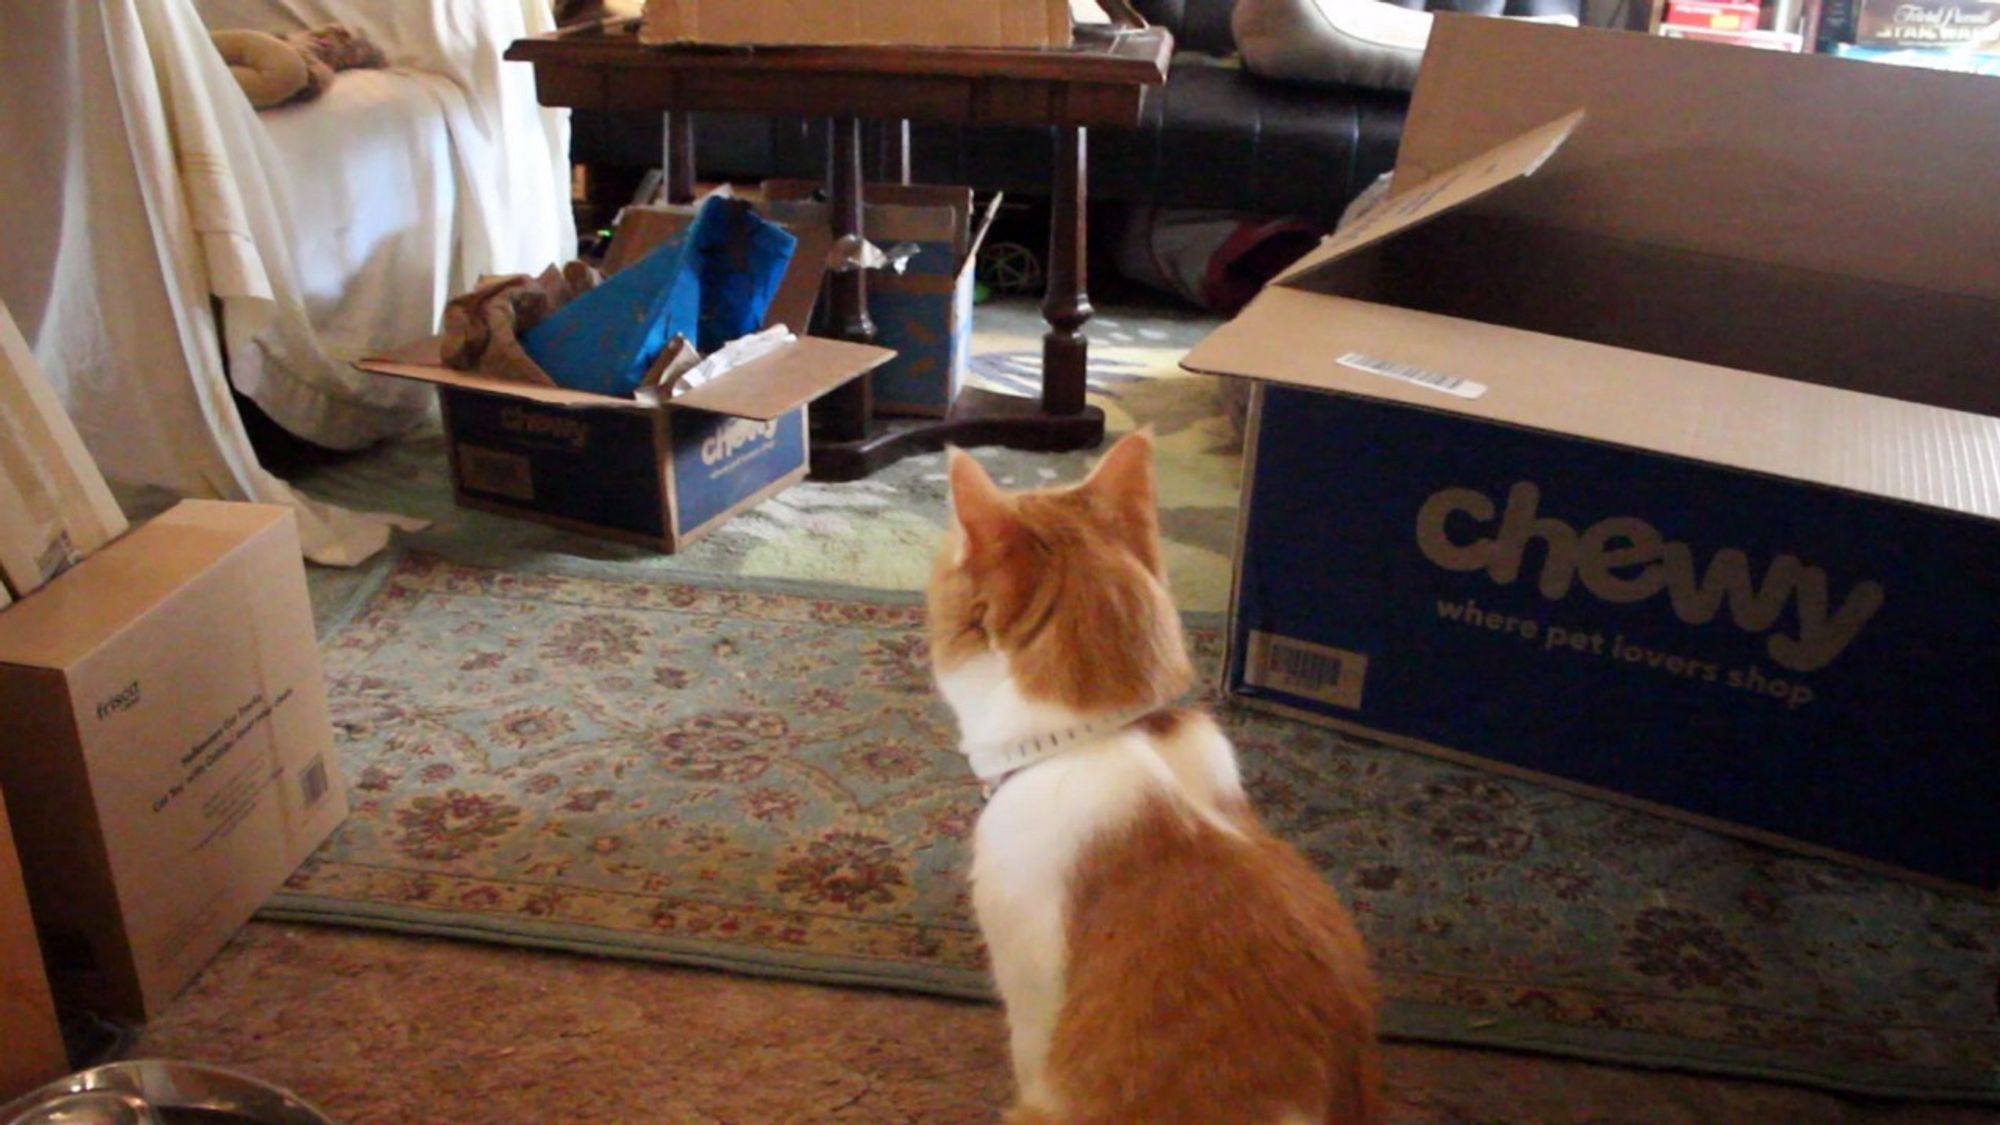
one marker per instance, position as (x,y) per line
(1104,79)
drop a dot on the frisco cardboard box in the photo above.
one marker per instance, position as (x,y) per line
(923,312)
(31,1045)
(1696,506)
(169,759)
(945,23)
(660,474)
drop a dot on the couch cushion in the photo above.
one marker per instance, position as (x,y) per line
(1359,42)
(1198,25)
(1214,137)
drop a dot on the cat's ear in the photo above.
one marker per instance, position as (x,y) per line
(1125,476)
(1123,484)
(981,508)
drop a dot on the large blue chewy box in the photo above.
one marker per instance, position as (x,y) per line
(1798,660)
(1702,517)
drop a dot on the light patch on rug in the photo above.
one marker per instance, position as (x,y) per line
(758,777)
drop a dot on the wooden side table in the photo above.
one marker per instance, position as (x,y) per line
(1104,79)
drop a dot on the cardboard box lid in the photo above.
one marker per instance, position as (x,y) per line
(1296,335)
(77,613)
(1802,161)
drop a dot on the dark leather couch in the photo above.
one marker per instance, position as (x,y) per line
(1216,137)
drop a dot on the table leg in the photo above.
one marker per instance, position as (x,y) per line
(896,151)
(1065,349)
(1061,421)
(678,167)
(845,413)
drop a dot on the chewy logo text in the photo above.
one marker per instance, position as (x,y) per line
(724,443)
(1625,559)
(573,432)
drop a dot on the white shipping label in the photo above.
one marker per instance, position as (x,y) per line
(1310,671)
(1407,373)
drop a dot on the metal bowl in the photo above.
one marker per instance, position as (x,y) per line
(160,1092)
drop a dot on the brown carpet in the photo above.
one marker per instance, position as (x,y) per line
(386,1030)
(381,1029)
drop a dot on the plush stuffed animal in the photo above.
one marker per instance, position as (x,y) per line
(296,68)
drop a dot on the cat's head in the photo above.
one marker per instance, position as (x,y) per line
(1065,584)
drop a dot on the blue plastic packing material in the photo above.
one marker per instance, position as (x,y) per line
(712,283)
(743,259)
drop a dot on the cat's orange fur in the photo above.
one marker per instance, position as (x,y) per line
(1206,973)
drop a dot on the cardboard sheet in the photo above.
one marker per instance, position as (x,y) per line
(943,23)
(54,505)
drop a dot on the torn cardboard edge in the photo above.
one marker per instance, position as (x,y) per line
(1355,295)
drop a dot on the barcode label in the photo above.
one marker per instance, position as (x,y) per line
(491,470)
(1307,670)
(1421,376)
(312,782)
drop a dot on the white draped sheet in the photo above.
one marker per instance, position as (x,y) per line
(140,193)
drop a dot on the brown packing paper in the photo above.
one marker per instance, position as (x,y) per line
(483,327)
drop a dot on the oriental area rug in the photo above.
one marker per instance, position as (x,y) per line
(755,775)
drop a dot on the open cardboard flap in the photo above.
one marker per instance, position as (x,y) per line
(1483,174)
(1763,366)
(761,389)
(1802,161)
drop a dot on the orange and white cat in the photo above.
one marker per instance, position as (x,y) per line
(1163,957)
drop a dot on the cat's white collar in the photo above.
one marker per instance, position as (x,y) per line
(999,761)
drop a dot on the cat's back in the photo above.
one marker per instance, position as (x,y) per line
(1214,976)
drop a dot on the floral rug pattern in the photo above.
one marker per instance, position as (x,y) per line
(761,779)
